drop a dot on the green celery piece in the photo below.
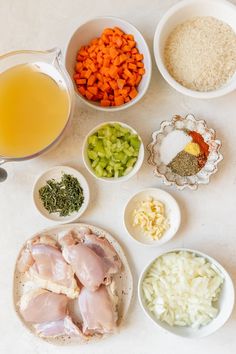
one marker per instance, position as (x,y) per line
(128,169)
(92,155)
(107,131)
(92,140)
(99,170)
(119,156)
(135,142)
(103,162)
(131,162)
(109,169)
(95,162)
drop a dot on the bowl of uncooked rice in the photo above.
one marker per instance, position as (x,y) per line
(195,47)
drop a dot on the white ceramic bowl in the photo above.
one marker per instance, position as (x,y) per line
(92,29)
(56,173)
(136,167)
(182,11)
(225,303)
(172,213)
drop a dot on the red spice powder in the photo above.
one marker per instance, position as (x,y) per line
(197,138)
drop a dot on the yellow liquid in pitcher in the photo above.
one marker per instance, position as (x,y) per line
(33,111)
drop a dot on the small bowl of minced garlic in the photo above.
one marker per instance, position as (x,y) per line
(152,217)
(195,47)
(184,152)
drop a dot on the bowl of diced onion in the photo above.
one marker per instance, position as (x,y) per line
(113,152)
(186,292)
(152,217)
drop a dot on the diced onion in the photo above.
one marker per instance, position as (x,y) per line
(182,289)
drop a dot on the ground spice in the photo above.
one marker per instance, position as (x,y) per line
(184,164)
(197,138)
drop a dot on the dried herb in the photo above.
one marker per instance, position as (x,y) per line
(184,164)
(63,197)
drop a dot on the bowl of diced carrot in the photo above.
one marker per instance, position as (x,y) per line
(109,63)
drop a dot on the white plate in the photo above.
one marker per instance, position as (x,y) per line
(225,302)
(56,173)
(123,281)
(172,213)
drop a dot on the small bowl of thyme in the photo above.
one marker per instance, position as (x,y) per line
(61,194)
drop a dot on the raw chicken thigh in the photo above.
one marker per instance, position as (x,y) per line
(105,250)
(48,312)
(92,258)
(40,305)
(64,326)
(87,265)
(98,311)
(47,267)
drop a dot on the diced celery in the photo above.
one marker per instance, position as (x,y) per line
(113,150)
(93,139)
(95,162)
(131,162)
(92,155)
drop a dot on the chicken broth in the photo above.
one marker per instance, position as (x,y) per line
(34,110)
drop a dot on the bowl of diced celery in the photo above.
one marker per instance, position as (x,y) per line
(113,152)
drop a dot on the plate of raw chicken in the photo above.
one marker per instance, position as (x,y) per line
(72,283)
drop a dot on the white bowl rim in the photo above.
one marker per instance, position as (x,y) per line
(139,161)
(152,245)
(149,71)
(160,64)
(86,197)
(198,253)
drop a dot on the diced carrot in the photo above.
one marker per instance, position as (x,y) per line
(119,100)
(128,73)
(141,71)
(109,68)
(91,80)
(120,83)
(131,44)
(78,66)
(139,57)
(134,51)
(105,96)
(132,66)
(105,103)
(113,84)
(81,90)
(139,77)
(93,90)
(89,95)
(122,58)
(133,93)
(106,62)
(93,67)
(126,48)
(88,73)
(81,81)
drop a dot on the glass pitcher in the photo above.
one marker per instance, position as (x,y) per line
(48,62)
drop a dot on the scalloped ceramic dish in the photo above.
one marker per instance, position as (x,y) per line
(181,123)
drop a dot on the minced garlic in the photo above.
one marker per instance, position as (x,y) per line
(150,216)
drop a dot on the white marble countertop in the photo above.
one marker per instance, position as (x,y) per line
(208,215)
